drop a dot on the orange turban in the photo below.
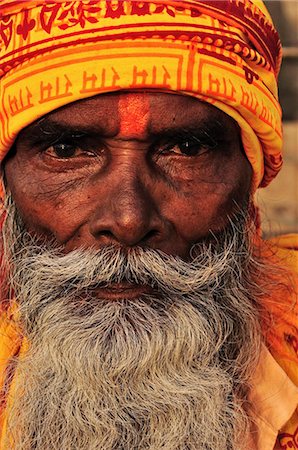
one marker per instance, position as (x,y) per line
(223,52)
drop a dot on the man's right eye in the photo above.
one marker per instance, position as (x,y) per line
(67,151)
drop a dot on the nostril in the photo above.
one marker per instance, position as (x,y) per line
(107,234)
(151,234)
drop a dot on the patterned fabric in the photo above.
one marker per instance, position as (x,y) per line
(224,52)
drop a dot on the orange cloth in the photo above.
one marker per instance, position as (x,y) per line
(275,398)
(224,52)
(280,327)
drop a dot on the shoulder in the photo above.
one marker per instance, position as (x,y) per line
(281,303)
(287,250)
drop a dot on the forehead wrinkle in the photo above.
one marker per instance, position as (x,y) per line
(133,111)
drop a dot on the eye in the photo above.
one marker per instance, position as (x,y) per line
(66,150)
(192,146)
(189,148)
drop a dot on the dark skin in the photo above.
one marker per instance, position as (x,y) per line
(153,170)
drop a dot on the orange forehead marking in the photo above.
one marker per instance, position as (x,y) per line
(133,110)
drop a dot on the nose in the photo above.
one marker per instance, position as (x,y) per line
(128,215)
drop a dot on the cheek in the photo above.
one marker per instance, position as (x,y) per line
(48,205)
(199,206)
(194,214)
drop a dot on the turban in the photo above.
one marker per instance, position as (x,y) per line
(224,52)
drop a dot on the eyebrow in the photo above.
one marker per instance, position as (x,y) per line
(49,130)
(212,130)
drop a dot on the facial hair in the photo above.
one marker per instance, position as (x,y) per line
(169,370)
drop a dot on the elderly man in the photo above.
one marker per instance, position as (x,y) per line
(140,307)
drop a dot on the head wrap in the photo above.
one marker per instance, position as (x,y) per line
(223,52)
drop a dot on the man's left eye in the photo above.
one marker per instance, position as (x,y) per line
(190,147)
(64,151)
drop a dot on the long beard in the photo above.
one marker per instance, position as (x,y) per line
(169,370)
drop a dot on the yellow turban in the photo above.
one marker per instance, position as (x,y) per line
(223,52)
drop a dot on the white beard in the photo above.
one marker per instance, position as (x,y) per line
(167,371)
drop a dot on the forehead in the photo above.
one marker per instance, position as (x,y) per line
(137,113)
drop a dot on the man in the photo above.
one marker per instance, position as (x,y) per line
(141,308)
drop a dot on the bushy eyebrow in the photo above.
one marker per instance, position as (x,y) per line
(48,130)
(202,128)
(209,134)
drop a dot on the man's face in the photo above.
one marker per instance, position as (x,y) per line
(152,170)
(135,341)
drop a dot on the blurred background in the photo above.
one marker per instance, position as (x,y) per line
(279,202)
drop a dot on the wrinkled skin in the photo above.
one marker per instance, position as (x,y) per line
(136,169)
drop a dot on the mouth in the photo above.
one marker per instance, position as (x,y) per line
(116,291)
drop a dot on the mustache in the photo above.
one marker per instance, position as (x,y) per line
(76,278)
(90,268)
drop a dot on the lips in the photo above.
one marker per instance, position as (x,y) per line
(123,290)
